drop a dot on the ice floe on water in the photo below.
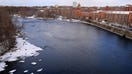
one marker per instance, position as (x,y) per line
(12,71)
(2,65)
(25,71)
(22,61)
(40,60)
(39,70)
(33,63)
(23,49)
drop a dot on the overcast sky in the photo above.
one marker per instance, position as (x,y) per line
(64,2)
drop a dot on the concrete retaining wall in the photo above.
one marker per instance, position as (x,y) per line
(116,30)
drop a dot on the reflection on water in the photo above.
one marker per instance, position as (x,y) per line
(75,48)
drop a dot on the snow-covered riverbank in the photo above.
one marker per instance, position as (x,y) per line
(61,18)
(23,49)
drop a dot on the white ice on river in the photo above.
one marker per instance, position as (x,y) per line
(22,61)
(39,70)
(2,65)
(23,49)
(25,71)
(33,63)
(12,71)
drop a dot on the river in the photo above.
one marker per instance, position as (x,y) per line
(74,48)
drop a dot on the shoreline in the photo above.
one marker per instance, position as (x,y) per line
(118,31)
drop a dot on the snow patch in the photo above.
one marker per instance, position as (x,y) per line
(16,15)
(41,10)
(68,20)
(74,20)
(31,16)
(23,49)
(60,18)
